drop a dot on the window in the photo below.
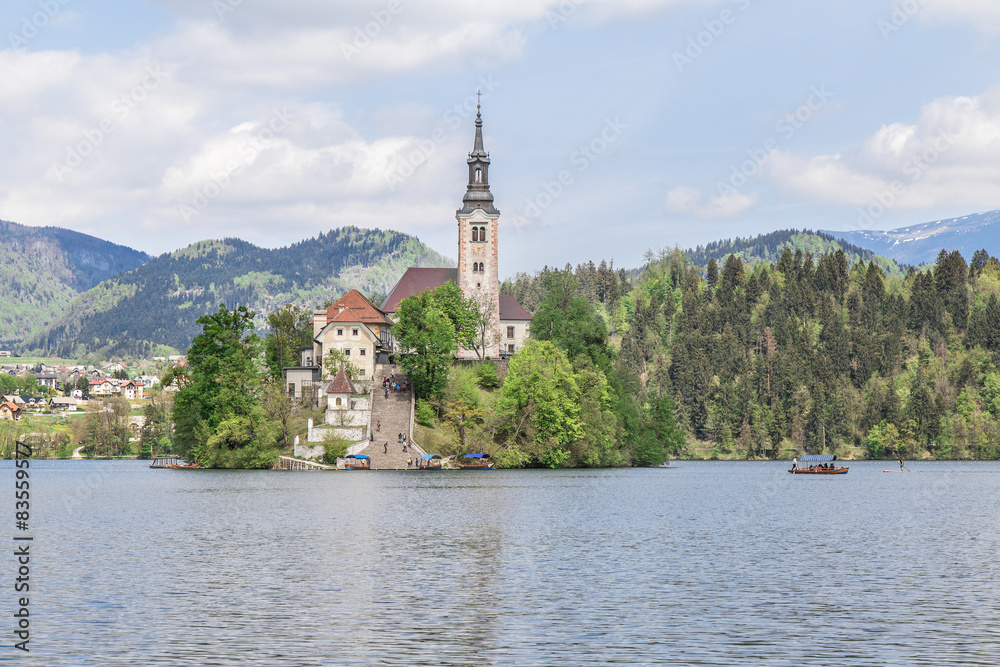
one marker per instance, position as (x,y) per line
(510,332)
(510,348)
(479,175)
(347,351)
(339,400)
(340,332)
(363,351)
(479,285)
(475,233)
(354,332)
(291,388)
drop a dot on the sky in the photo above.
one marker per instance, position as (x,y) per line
(615,127)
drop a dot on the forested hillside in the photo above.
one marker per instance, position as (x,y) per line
(42,269)
(818,354)
(158,303)
(768,248)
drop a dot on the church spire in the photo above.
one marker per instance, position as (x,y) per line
(477,148)
(477,194)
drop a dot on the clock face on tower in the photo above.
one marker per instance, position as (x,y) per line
(478,250)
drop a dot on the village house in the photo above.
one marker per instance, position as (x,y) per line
(147,381)
(48,379)
(115,367)
(130,390)
(102,387)
(305,379)
(9,411)
(62,403)
(354,326)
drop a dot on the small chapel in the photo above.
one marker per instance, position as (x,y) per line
(363,331)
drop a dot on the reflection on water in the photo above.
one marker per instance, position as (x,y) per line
(700,563)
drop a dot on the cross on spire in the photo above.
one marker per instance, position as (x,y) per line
(478,94)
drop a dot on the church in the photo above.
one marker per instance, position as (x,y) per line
(362,330)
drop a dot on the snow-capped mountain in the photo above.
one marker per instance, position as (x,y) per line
(921,243)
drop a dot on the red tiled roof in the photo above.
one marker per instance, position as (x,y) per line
(354,307)
(511,309)
(341,385)
(415,281)
(11,406)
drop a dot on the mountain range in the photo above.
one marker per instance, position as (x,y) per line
(921,243)
(42,269)
(63,293)
(153,308)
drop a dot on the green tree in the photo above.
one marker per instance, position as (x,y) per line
(540,402)
(156,427)
(460,310)
(566,319)
(217,414)
(338,359)
(427,337)
(291,330)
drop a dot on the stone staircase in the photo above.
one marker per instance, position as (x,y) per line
(394,416)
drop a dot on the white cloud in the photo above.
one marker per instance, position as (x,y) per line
(89,145)
(682,201)
(983,15)
(950,156)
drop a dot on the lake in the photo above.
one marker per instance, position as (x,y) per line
(701,563)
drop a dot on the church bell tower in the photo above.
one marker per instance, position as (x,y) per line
(478,274)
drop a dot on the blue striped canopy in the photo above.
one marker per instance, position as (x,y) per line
(357,456)
(821,458)
(430,456)
(476,456)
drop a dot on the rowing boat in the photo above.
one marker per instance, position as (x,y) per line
(818,465)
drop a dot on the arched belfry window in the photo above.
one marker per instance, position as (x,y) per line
(475,233)
(479,175)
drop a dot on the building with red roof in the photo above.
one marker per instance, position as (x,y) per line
(353,325)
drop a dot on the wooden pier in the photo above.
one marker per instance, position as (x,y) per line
(289,463)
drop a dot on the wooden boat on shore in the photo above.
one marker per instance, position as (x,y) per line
(475,462)
(357,462)
(429,462)
(819,464)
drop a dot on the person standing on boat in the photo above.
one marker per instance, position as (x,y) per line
(795,463)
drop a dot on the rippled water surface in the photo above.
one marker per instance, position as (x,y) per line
(700,563)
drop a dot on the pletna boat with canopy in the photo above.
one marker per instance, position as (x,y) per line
(357,462)
(429,462)
(476,462)
(818,464)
